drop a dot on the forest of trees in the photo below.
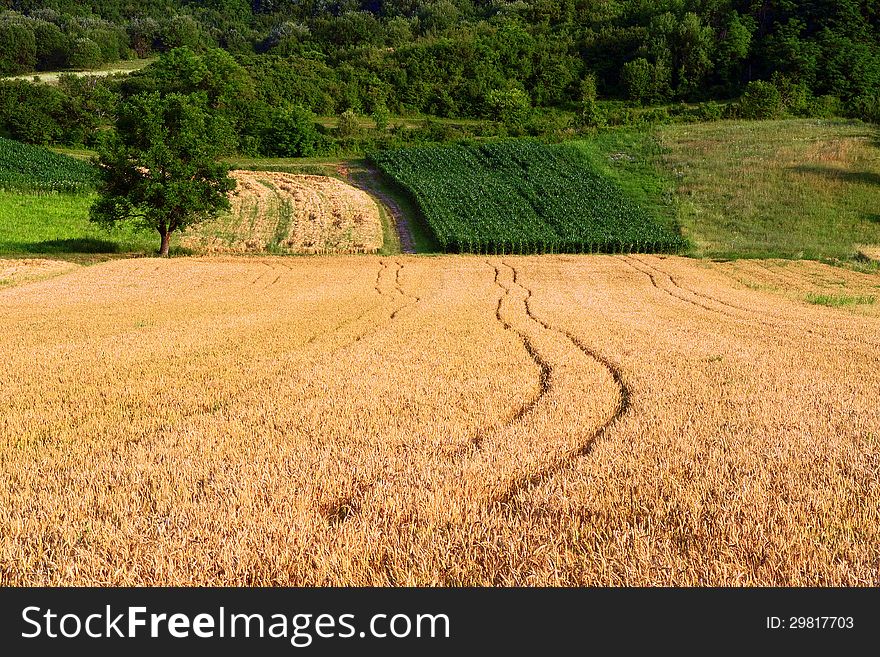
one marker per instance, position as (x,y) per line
(511,61)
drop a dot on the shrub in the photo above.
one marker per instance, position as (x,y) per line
(655,115)
(18,49)
(348,126)
(761,100)
(30,112)
(636,77)
(591,116)
(292,133)
(796,96)
(380,116)
(645,82)
(710,111)
(509,106)
(85,54)
(866,108)
(825,107)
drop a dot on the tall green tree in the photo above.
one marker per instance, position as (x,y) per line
(159,169)
(18,48)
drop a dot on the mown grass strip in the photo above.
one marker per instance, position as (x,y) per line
(840,300)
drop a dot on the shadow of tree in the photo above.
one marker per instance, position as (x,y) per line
(76,245)
(860,177)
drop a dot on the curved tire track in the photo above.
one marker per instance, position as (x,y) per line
(751,317)
(646,269)
(708,297)
(546,370)
(477,440)
(565,460)
(399,289)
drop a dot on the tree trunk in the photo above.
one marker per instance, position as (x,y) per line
(166,242)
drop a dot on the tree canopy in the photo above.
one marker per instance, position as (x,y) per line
(443,57)
(159,168)
(519,63)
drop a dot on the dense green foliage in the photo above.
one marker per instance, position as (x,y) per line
(159,169)
(459,58)
(522,197)
(71,112)
(31,168)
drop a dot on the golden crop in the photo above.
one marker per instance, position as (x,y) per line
(357,420)
(810,281)
(291,213)
(25,270)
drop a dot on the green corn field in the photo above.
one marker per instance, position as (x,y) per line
(26,168)
(522,196)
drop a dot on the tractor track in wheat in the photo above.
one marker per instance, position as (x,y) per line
(565,460)
(738,313)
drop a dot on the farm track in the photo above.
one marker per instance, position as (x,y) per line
(777,272)
(759,318)
(783,280)
(412,299)
(674,290)
(367,184)
(476,441)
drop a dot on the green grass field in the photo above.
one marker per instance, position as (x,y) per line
(110,68)
(44,207)
(630,159)
(761,189)
(791,189)
(58,225)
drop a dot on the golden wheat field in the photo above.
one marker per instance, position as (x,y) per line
(454,420)
(25,270)
(291,213)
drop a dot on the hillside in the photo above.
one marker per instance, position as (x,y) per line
(530,67)
(793,189)
(758,189)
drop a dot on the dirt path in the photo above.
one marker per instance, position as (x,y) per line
(366,181)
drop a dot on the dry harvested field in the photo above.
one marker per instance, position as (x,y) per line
(452,420)
(291,213)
